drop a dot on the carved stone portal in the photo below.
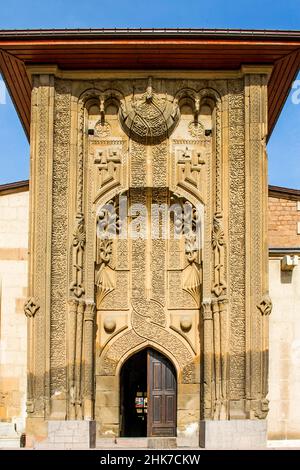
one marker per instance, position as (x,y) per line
(145,236)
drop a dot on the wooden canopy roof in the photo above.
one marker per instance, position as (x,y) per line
(149,49)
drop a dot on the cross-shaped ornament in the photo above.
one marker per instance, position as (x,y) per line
(107,161)
(189,161)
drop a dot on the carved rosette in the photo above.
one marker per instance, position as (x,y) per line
(31,307)
(196,129)
(265,306)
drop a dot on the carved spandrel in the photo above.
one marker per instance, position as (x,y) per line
(117,299)
(178,297)
(175,255)
(122,254)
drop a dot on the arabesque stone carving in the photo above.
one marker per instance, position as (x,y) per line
(150,117)
(191,279)
(106,276)
(109,293)
(78,250)
(218,243)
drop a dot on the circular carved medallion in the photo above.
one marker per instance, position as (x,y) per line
(186,324)
(196,129)
(109,325)
(150,118)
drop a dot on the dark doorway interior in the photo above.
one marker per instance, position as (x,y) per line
(134,396)
(148,389)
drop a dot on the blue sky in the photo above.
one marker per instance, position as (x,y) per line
(284,145)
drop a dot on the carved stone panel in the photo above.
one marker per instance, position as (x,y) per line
(181,163)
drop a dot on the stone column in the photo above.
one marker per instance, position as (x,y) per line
(41,140)
(78,361)
(89,318)
(208,395)
(258,304)
(72,327)
(240,326)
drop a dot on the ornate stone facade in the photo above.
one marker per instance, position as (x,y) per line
(114,271)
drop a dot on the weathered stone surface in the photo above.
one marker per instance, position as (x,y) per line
(234,434)
(155,142)
(69,435)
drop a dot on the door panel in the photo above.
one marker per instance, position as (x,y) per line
(170,409)
(157,410)
(161,395)
(157,376)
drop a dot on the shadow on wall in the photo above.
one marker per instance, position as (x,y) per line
(286,277)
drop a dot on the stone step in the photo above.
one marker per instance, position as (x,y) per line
(137,443)
(9,438)
(122,442)
(162,443)
(9,443)
(7,430)
(133,442)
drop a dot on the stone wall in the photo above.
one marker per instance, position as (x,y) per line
(284,386)
(284,372)
(284,222)
(197,139)
(13,291)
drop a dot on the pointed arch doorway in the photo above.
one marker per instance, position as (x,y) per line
(148,395)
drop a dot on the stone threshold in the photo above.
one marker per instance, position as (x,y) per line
(283,444)
(137,443)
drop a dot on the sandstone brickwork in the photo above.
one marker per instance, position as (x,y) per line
(284,220)
(13,291)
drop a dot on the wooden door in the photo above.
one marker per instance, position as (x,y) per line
(161,420)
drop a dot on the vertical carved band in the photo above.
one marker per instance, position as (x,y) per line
(59,259)
(89,318)
(72,324)
(78,360)
(236,247)
(40,235)
(207,358)
(260,304)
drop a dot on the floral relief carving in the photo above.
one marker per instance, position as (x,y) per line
(218,244)
(105,276)
(191,279)
(102,129)
(196,129)
(78,249)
